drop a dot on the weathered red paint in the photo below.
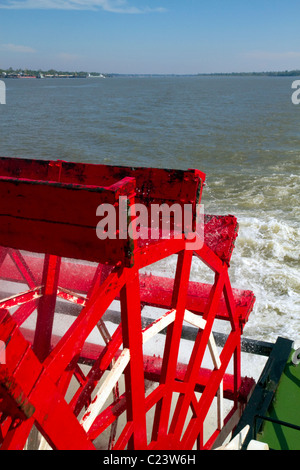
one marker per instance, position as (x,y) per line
(49,209)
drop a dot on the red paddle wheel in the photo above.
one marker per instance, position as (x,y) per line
(62,286)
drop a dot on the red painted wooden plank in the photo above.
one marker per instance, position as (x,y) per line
(134,372)
(152,183)
(60,219)
(72,204)
(46,307)
(155,290)
(62,240)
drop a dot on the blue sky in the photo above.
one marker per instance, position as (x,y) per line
(150,36)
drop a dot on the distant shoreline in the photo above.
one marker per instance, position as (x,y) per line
(287,73)
(34,74)
(39,74)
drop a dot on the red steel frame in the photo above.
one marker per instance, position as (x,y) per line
(49,208)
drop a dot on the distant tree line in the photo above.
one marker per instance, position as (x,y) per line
(42,73)
(286,73)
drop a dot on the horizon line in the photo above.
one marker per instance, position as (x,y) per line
(283,72)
